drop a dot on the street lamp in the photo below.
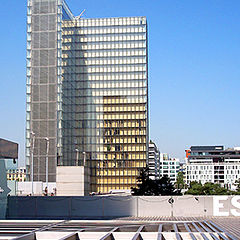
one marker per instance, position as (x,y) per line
(84,158)
(47,140)
(77,154)
(33,141)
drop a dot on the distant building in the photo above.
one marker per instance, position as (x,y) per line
(188,153)
(18,174)
(153,160)
(169,166)
(213,164)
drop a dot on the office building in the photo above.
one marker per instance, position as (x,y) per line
(169,167)
(153,160)
(87,95)
(213,164)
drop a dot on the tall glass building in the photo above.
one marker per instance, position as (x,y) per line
(87,92)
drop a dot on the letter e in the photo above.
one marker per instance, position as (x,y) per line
(217,205)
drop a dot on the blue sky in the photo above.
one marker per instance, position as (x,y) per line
(194,68)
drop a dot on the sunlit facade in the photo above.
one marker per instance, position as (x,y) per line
(101,98)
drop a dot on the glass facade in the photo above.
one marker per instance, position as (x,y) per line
(44,79)
(105,81)
(98,97)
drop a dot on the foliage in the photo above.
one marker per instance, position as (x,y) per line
(108,148)
(180,181)
(164,187)
(196,188)
(237,184)
(149,187)
(144,183)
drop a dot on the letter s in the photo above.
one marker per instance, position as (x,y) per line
(236,204)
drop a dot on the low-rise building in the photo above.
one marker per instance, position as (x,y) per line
(169,166)
(213,164)
(18,174)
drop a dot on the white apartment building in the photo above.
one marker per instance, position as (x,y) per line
(153,161)
(213,164)
(169,166)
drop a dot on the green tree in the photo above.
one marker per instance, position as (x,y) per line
(214,189)
(144,183)
(164,187)
(149,187)
(237,184)
(196,188)
(180,181)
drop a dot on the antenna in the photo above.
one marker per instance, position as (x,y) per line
(78,17)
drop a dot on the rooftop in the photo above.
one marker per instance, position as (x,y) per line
(125,228)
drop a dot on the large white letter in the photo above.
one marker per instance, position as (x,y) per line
(217,205)
(236,204)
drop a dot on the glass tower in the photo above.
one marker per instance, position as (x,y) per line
(44,86)
(98,110)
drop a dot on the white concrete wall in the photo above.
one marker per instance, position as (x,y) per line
(73,181)
(121,206)
(153,206)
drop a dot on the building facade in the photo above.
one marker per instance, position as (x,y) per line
(153,161)
(44,86)
(213,164)
(18,174)
(169,167)
(87,95)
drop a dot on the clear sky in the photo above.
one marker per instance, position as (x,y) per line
(194,68)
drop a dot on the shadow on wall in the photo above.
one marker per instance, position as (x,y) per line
(54,207)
